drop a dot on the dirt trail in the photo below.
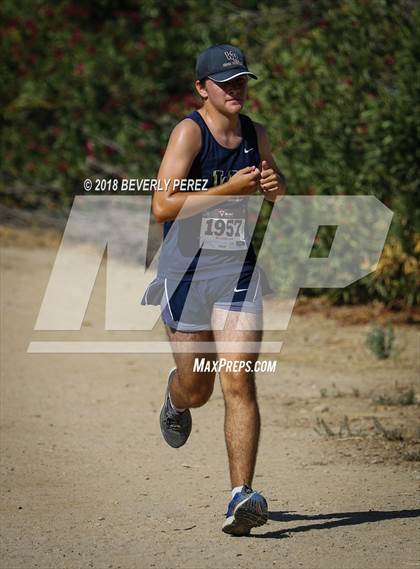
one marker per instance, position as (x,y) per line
(88,481)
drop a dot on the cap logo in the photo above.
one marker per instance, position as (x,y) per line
(232,57)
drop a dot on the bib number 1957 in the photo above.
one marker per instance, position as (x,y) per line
(218,233)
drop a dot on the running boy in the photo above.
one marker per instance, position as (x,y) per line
(208,284)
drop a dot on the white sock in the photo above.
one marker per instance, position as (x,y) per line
(173,406)
(236,490)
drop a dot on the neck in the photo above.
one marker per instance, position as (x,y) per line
(219,121)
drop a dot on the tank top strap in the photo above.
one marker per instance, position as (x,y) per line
(249,134)
(197,118)
(205,133)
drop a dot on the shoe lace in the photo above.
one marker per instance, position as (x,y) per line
(173,423)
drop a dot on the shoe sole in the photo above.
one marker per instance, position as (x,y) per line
(248,515)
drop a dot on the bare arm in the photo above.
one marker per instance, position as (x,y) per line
(183,146)
(273,183)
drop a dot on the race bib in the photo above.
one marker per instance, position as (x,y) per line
(223,230)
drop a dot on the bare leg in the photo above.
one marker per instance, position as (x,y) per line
(242,418)
(188,388)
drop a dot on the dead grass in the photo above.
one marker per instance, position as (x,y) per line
(374,311)
(28,237)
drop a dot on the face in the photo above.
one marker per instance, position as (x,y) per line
(228,97)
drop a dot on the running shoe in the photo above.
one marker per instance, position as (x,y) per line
(246,510)
(175,425)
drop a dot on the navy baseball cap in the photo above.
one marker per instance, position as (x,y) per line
(221,63)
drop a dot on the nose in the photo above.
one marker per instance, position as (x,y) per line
(234,87)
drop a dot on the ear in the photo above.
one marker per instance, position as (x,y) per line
(201,89)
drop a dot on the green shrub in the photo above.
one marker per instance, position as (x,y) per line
(380,340)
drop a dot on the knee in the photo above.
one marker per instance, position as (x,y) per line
(239,387)
(199,391)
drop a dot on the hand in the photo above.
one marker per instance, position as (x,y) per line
(271,183)
(245,181)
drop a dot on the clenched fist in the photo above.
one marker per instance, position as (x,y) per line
(245,181)
(271,182)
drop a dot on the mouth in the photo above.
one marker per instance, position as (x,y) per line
(234,100)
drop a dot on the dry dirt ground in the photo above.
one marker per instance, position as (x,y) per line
(87,480)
